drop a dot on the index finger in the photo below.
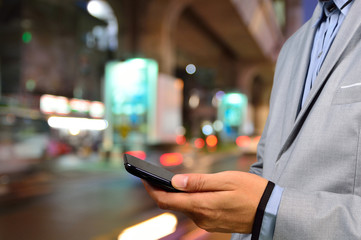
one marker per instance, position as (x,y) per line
(182,202)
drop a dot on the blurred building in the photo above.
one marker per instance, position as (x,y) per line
(58,47)
(44,49)
(233,44)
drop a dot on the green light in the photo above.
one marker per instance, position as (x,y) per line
(30,85)
(27,37)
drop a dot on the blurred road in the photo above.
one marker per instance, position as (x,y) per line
(94,200)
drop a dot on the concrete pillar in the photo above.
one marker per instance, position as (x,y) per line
(260,19)
(146,30)
(255,80)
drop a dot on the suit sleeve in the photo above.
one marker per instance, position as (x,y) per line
(318,215)
(257,168)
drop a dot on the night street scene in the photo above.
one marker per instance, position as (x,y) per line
(182,84)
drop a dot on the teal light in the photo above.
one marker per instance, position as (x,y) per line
(131,90)
(138,62)
(235,98)
(232,112)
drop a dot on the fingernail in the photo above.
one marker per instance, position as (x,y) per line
(180,181)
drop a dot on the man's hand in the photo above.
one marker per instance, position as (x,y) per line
(221,202)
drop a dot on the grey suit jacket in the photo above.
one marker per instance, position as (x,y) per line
(316,155)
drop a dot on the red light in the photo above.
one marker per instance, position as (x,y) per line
(199,143)
(139,154)
(171,159)
(180,139)
(211,141)
(243,141)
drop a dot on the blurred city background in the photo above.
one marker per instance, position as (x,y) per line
(184,84)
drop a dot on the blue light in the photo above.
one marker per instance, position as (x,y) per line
(191,69)
(207,129)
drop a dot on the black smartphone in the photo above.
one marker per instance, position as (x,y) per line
(155,175)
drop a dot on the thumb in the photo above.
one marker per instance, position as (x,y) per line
(197,182)
(180,182)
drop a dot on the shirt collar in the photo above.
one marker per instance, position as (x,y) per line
(339,4)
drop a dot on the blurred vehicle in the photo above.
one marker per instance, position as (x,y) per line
(32,147)
(16,187)
(23,144)
(22,141)
(57,148)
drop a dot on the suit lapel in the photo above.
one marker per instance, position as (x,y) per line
(299,74)
(345,34)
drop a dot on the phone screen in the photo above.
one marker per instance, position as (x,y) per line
(155,175)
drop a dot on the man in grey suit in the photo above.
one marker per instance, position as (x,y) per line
(306,183)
